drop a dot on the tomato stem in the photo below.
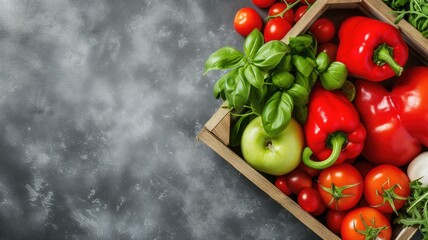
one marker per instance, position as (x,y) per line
(390,196)
(369,232)
(281,14)
(337,192)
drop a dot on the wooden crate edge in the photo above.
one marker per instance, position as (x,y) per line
(405,233)
(264,184)
(412,36)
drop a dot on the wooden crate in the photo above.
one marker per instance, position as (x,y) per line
(215,132)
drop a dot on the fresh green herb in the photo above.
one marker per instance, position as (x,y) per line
(416,209)
(414,11)
(271,80)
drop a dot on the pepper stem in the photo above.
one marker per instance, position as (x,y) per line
(383,54)
(336,141)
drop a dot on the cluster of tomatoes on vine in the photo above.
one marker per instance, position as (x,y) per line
(281,17)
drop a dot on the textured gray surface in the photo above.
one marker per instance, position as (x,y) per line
(100,103)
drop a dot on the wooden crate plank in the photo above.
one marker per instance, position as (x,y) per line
(265,185)
(412,36)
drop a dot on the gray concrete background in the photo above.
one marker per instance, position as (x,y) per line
(100,103)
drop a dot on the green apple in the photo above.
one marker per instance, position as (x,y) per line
(274,155)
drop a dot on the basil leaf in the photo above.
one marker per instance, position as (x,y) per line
(257,99)
(277,113)
(301,114)
(300,43)
(323,61)
(270,54)
(237,90)
(302,65)
(282,79)
(254,76)
(223,58)
(303,81)
(334,77)
(299,94)
(238,129)
(312,79)
(285,63)
(219,85)
(253,42)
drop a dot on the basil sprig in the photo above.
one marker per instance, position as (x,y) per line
(248,69)
(271,79)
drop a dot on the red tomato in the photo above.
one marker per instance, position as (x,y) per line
(291,1)
(297,180)
(263,3)
(246,20)
(309,200)
(311,171)
(360,222)
(300,12)
(364,167)
(386,183)
(307,1)
(334,219)
(276,29)
(340,186)
(278,8)
(281,184)
(323,30)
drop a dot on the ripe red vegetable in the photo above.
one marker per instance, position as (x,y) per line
(333,130)
(365,223)
(263,3)
(278,8)
(334,219)
(329,48)
(300,12)
(246,20)
(297,180)
(386,188)
(281,184)
(371,49)
(323,30)
(340,186)
(309,200)
(276,29)
(396,122)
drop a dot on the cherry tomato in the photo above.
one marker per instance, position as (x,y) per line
(263,3)
(276,29)
(309,200)
(281,184)
(297,180)
(246,20)
(323,30)
(334,219)
(386,183)
(360,222)
(291,1)
(340,186)
(311,171)
(307,1)
(364,167)
(300,12)
(278,8)
(329,48)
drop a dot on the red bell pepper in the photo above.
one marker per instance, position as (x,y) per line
(371,49)
(333,129)
(396,121)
